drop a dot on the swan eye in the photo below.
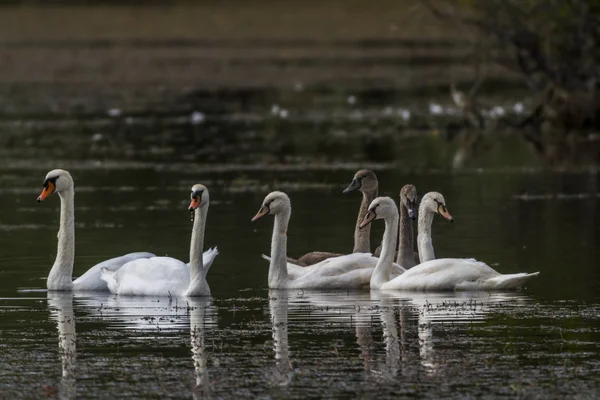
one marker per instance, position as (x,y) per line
(49,181)
(197,194)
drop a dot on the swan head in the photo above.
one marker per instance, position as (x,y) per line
(408,197)
(364,180)
(381,207)
(434,202)
(199,197)
(57,180)
(274,203)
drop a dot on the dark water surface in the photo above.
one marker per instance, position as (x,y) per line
(247,341)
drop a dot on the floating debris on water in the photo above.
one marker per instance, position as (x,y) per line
(435,109)
(114,112)
(197,118)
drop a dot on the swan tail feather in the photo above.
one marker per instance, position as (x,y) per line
(511,281)
(108,276)
(208,257)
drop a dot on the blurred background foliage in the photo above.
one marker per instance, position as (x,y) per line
(359,79)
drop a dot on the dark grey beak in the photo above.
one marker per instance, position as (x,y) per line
(355,184)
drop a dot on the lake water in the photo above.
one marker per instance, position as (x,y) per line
(247,341)
(140,103)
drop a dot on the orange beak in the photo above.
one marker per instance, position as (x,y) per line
(444,213)
(368,218)
(264,210)
(48,190)
(195,203)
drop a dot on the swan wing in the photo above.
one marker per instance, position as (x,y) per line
(441,274)
(354,279)
(316,257)
(208,257)
(155,276)
(455,274)
(91,279)
(501,282)
(336,266)
(351,271)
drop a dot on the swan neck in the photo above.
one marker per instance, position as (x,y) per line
(424,242)
(405,242)
(61,274)
(381,273)
(197,272)
(362,237)
(278,274)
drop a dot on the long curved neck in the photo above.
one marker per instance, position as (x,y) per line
(197,271)
(61,274)
(405,242)
(381,273)
(424,237)
(278,274)
(362,237)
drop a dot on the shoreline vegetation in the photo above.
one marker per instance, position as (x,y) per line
(261,66)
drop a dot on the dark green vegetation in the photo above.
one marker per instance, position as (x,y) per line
(552,45)
(344,73)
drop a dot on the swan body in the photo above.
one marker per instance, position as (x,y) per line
(343,272)
(61,275)
(312,258)
(455,274)
(440,274)
(332,266)
(92,281)
(156,276)
(167,276)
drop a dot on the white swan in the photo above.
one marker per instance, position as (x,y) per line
(164,276)
(441,274)
(61,274)
(343,272)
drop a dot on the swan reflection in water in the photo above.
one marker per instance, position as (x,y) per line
(162,314)
(278,309)
(60,305)
(198,308)
(408,321)
(428,310)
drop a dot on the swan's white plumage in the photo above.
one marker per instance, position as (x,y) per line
(92,281)
(340,272)
(436,274)
(338,265)
(167,276)
(155,276)
(343,272)
(60,277)
(455,274)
